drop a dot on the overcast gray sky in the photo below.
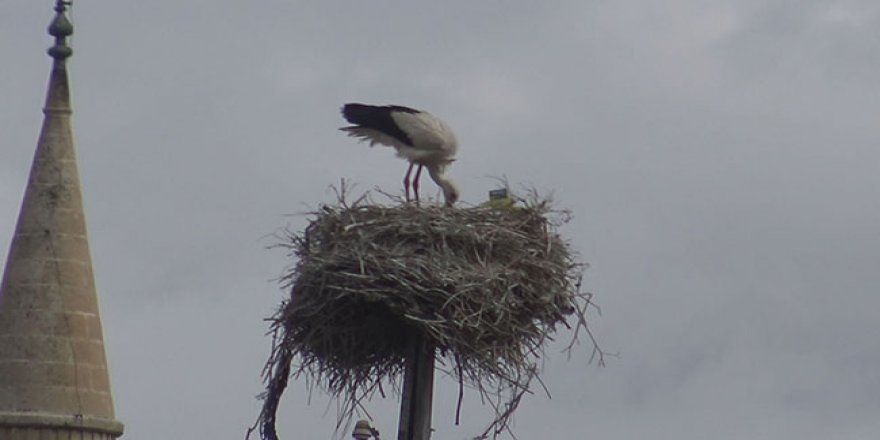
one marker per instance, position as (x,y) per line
(720,157)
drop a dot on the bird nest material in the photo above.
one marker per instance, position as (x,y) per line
(486,286)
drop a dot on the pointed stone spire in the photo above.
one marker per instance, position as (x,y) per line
(53,372)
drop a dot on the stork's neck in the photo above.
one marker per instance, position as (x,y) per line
(450,191)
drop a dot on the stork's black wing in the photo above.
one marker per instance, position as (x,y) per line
(378,117)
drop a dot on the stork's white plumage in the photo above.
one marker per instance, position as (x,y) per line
(419,137)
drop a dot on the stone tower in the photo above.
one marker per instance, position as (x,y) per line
(53,373)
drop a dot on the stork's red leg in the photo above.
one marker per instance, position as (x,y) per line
(406,180)
(415,183)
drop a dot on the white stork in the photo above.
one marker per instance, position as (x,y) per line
(419,137)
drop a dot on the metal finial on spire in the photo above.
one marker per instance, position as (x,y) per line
(60,28)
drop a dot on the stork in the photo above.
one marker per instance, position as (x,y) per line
(419,137)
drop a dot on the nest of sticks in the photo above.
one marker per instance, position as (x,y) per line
(487,287)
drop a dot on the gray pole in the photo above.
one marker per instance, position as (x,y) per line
(418,390)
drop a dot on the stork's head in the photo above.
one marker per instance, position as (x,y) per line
(450,193)
(450,190)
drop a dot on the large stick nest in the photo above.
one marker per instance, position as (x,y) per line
(486,286)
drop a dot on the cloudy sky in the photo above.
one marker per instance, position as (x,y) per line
(720,157)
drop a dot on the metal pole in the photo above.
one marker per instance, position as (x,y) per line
(418,390)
